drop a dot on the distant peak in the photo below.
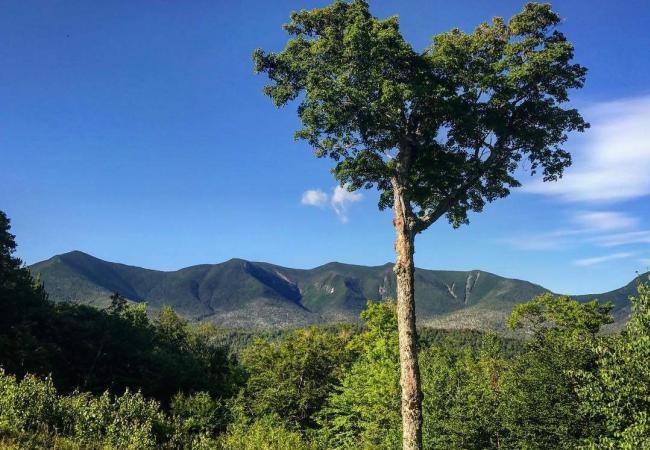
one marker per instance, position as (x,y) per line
(236,262)
(75,253)
(333,265)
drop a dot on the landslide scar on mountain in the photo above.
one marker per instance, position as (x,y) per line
(450,289)
(469,285)
(279,284)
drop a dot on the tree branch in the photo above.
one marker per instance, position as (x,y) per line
(422,223)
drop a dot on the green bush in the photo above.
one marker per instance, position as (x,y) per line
(127,421)
(32,407)
(461,395)
(28,405)
(196,419)
(263,433)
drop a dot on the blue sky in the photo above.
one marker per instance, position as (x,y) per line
(137,132)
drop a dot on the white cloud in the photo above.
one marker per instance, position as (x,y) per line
(603,220)
(645,261)
(616,239)
(601,259)
(314,197)
(611,165)
(588,227)
(341,199)
(613,162)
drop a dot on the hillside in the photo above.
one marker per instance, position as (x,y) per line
(239,293)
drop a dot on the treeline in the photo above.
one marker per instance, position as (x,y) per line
(237,339)
(76,377)
(97,350)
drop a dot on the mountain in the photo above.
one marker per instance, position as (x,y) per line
(239,293)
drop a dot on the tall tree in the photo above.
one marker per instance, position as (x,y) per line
(439,132)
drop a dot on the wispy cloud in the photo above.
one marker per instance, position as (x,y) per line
(339,201)
(614,161)
(617,239)
(314,197)
(603,220)
(601,259)
(611,165)
(582,227)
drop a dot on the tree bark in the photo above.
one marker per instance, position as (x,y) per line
(409,368)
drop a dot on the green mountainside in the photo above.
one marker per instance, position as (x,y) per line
(239,293)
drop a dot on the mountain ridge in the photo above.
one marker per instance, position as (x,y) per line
(241,293)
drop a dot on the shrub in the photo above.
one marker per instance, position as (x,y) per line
(264,433)
(28,405)
(31,410)
(196,418)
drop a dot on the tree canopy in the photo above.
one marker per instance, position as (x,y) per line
(450,123)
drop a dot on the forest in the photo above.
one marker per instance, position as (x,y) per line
(76,377)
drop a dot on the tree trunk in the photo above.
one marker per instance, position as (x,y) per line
(410,370)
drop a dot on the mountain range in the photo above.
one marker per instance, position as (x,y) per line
(239,293)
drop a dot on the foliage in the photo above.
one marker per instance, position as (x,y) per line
(95,350)
(548,313)
(472,340)
(448,124)
(543,403)
(265,433)
(476,396)
(461,394)
(33,405)
(363,411)
(567,387)
(198,414)
(22,304)
(29,404)
(291,378)
(617,393)
(123,380)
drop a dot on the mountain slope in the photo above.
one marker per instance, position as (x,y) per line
(241,293)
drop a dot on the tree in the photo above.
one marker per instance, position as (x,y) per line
(617,392)
(543,408)
(462,394)
(363,412)
(292,378)
(116,348)
(19,292)
(21,297)
(439,132)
